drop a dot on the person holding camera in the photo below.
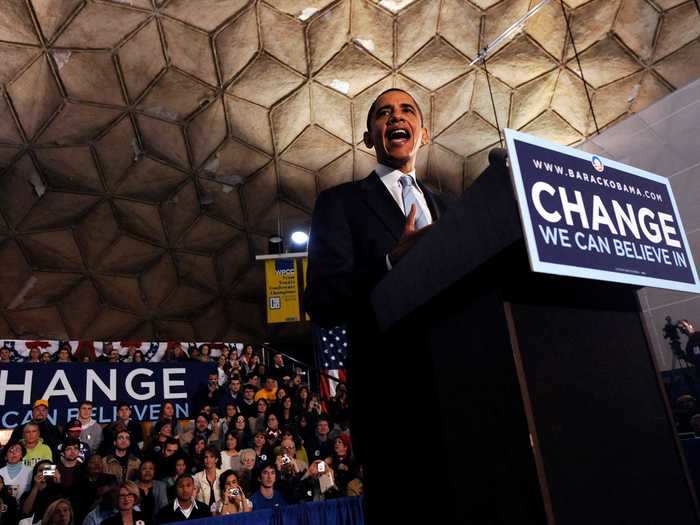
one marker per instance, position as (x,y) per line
(233,499)
(74,477)
(209,395)
(45,488)
(290,470)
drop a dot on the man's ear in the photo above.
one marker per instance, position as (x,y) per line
(425,136)
(367,138)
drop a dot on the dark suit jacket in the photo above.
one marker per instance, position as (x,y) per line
(354,226)
(168,515)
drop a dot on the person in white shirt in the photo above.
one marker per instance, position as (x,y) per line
(16,475)
(207,480)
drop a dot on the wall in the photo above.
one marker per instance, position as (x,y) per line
(664,139)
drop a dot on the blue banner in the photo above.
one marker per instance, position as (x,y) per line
(587,216)
(65,385)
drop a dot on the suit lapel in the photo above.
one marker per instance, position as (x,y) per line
(380,201)
(430,199)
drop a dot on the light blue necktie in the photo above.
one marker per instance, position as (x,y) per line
(409,197)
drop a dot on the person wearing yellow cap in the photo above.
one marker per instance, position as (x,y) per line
(50,433)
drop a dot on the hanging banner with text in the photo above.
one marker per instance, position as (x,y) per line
(64,385)
(284,280)
(590,217)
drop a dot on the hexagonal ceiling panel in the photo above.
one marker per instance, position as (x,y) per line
(148,147)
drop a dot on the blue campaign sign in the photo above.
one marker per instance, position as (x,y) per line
(65,385)
(591,217)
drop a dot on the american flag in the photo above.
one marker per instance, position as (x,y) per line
(333,346)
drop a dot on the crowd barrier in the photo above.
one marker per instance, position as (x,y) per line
(341,511)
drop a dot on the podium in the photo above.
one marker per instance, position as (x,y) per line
(542,396)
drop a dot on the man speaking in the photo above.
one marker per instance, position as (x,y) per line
(359,231)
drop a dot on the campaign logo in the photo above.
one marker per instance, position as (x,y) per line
(597,164)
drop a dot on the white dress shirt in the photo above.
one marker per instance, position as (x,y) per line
(390,179)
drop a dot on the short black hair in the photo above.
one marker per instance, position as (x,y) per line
(183,476)
(374,105)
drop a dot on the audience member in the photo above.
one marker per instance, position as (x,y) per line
(35,448)
(59,512)
(321,445)
(269,391)
(184,506)
(106,487)
(127,499)
(232,498)
(50,434)
(248,406)
(279,370)
(9,512)
(73,430)
(230,457)
(121,463)
(208,395)
(91,431)
(45,488)
(266,497)
(152,493)
(207,480)
(233,393)
(343,465)
(196,454)
(132,426)
(15,474)
(74,477)
(245,473)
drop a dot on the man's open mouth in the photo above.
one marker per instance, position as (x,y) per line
(398,136)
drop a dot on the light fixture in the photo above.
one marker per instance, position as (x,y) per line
(300,238)
(275,244)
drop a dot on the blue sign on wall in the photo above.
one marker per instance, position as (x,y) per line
(65,385)
(587,216)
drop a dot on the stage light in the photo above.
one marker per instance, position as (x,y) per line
(300,238)
(275,245)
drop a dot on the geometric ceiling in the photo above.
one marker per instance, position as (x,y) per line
(149,147)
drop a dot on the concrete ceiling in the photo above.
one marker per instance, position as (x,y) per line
(149,147)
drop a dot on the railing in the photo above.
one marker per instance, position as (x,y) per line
(306,369)
(341,511)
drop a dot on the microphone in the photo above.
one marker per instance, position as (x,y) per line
(498,157)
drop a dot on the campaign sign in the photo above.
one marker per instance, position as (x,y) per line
(587,216)
(64,385)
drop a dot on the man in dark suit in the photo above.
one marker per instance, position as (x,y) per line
(359,231)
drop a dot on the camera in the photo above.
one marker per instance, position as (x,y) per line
(49,472)
(286,460)
(234,492)
(322,466)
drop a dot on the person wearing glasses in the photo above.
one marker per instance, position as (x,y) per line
(127,499)
(233,499)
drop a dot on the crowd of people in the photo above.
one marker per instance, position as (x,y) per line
(260,438)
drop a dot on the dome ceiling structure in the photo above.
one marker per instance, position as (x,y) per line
(148,148)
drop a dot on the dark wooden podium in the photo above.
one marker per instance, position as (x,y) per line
(542,393)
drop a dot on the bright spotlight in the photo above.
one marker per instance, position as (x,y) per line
(300,238)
